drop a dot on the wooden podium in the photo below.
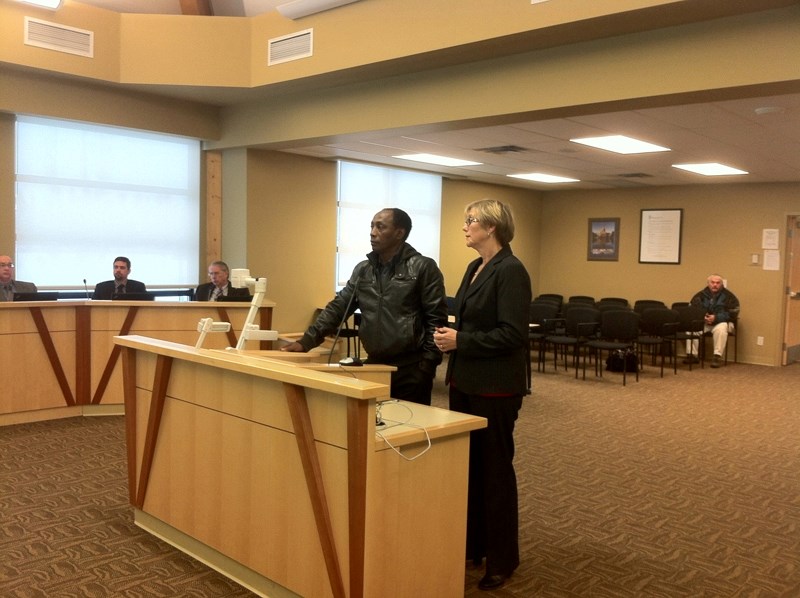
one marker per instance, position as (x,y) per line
(275,473)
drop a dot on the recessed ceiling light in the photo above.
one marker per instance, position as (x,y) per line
(543,178)
(621,144)
(438,160)
(710,169)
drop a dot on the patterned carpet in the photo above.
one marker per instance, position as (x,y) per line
(683,486)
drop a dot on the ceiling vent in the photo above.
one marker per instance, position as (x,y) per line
(503,149)
(54,36)
(291,47)
(635,175)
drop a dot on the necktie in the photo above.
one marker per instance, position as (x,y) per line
(216,293)
(8,291)
(120,289)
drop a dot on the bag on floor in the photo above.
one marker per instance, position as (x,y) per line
(619,360)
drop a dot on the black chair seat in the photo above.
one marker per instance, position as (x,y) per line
(580,323)
(619,330)
(542,315)
(658,327)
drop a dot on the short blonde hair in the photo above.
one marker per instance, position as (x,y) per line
(491,212)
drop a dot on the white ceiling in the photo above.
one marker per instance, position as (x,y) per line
(767,145)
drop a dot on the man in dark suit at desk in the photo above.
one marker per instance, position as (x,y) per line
(121,285)
(219,286)
(9,286)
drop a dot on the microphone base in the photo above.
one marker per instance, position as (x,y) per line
(352,361)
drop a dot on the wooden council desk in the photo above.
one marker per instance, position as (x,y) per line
(275,473)
(61,358)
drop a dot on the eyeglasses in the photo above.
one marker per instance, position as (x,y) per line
(6,264)
(470,219)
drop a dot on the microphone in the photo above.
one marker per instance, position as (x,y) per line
(355,361)
(86,288)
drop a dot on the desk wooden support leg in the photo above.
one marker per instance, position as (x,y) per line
(83,352)
(129,395)
(301,419)
(358,438)
(112,359)
(52,354)
(266,324)
(160,383)
(223,315)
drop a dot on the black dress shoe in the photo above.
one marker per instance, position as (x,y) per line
(492,582)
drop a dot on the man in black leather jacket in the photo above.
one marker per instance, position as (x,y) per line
(401,296)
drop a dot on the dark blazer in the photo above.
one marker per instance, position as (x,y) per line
(19,286)
(203,292)
(105,290)
(492,323)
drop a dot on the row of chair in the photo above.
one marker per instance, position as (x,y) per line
(604,302)
(638,306)
(585,331)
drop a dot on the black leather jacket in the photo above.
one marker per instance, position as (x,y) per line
(399,309)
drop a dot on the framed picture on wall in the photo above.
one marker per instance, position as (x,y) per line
(603,239)
(660,237)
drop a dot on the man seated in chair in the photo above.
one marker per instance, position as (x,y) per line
(220,285)
(722,310)
(8,284)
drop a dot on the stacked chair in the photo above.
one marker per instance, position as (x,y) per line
(582,299)
(691,321)
(642,304)
(658,327)
(619,330)
(543,317)
(579,325)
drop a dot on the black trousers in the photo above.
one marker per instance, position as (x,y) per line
(411,383)
(492,508)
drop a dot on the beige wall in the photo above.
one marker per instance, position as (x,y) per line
(722,227)
(292,232)
(455,255)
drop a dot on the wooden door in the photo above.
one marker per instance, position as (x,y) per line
(791,337)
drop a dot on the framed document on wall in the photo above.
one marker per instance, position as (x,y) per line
(660,237)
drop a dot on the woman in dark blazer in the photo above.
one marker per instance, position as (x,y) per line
(487,374)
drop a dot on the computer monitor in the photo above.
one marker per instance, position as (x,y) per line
(235,298)
(39,296)
(133,297)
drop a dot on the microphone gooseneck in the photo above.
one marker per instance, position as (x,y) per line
(347,360)
(86,288)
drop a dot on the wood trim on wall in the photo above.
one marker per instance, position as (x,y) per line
(213,167)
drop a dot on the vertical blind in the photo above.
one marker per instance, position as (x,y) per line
(364,190)
(87,193)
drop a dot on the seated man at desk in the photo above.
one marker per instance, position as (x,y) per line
(112,289)
(8,284)
(219,286)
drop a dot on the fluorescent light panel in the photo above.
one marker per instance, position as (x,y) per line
(621,144)
(710,169)
(303,8)
(49,4)
(540,177)
(438,160)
